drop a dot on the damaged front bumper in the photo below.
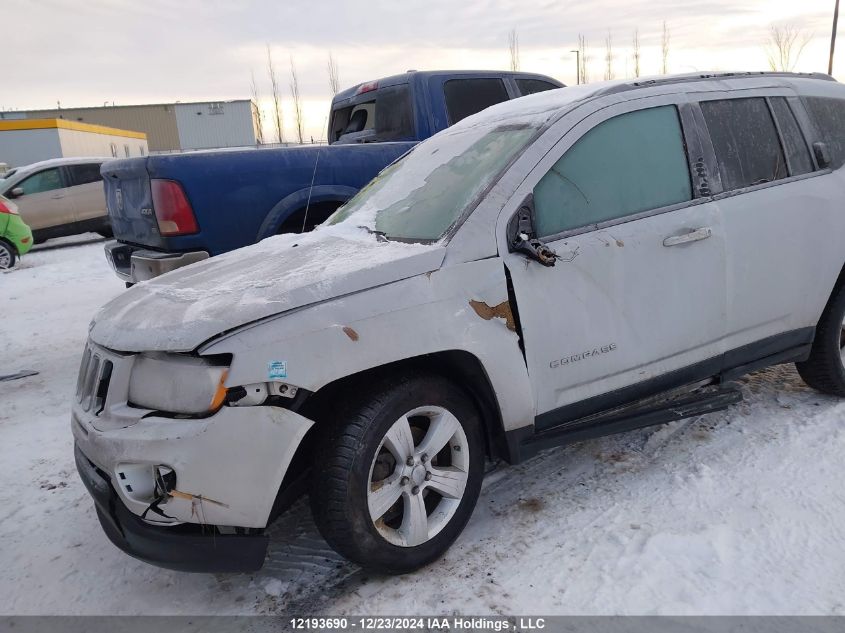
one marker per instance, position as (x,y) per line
(181,493)
(183,548)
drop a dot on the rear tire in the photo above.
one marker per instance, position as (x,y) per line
(825,369)
(8,255)
(397,472)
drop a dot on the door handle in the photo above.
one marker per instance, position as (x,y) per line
(686,238)
(58,197)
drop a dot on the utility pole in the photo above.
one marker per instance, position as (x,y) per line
(578,62)
(833,38)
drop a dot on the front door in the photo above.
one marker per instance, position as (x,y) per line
(637,299)
(43,203)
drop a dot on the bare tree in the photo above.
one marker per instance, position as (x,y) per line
(608,57)
(259,117)
(582,48)
(636,53)
(784,46)
(513,47)
(277,98)
(297,101)
(334,74)
(664,49)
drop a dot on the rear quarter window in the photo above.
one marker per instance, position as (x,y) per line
(829,116)
(794,144)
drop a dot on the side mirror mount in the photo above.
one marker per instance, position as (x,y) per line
(17,192)
(822,154)
(522,237)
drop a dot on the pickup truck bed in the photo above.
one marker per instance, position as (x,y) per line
(244,196)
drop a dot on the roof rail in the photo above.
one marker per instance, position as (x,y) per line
(688,78)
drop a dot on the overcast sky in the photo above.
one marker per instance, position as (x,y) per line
(87,52)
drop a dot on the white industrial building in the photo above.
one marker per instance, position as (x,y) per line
(169,126)
(216,124)
(25,141)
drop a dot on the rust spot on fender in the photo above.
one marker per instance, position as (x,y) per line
(501,311)
(352,334)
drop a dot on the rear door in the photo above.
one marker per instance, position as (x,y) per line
(782,220)
(86,191)
(44,202)
(636,304)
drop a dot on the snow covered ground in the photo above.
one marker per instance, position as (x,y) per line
(740,512)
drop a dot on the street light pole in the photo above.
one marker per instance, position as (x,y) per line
(578,62)
(833,38)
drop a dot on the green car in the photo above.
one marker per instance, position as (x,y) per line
(15,235)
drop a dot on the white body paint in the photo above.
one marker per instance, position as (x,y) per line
(340,302)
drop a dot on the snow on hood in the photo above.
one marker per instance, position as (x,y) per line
(182,309)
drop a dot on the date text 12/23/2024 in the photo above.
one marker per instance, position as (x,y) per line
(451,623)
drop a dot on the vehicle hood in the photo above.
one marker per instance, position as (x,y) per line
(179,311)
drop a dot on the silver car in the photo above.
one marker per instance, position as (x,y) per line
(60,196)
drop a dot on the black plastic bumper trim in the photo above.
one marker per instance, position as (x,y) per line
(182,548)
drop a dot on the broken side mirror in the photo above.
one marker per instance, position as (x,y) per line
(822,154)
(522,237)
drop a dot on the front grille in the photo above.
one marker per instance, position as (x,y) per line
(92,385)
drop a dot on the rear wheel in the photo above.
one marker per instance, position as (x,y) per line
(825,369)
(397,476)
(7,255)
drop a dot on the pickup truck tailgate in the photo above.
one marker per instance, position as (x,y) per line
(129,201)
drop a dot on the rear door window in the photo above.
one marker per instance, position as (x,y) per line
(393,114)
(745,141)
(83,174)
(465,97)
(794,145)
(829,115)
(46,180)
(629,164)
(530,86)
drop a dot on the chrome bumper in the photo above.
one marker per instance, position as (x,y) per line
(133,264)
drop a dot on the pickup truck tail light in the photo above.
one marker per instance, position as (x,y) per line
(4,208)
(172,209)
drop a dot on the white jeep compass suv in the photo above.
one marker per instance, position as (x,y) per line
(566,265)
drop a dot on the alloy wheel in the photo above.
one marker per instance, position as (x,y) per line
(5,257)
(418,476)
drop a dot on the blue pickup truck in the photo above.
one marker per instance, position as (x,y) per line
(168,211)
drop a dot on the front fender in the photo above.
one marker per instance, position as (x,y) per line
(460,307)
(297,200)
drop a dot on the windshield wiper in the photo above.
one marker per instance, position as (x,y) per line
(380,235)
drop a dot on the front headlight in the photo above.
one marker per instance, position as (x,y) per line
(177,383)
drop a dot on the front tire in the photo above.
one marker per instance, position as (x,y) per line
(8,255)
(825,369)
(397,473)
